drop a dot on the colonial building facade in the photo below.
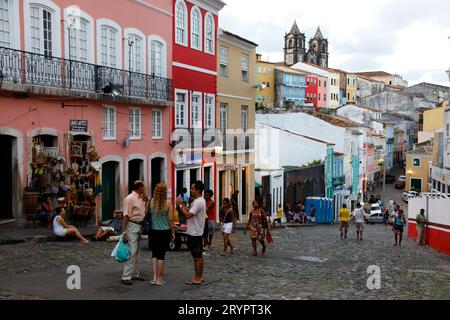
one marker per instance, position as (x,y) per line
(85,102)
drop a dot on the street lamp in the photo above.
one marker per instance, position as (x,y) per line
(448,74)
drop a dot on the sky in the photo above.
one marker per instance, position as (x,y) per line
(406,37)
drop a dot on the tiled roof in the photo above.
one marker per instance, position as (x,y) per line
(334,120)
(422,150)
(240,38)
(299,134)
(374,74)
(290,70)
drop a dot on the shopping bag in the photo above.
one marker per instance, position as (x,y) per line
(269,237)
(121,251)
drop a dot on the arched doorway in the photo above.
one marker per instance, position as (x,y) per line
(135,172)
(157,172)
(111,189)
(6,167)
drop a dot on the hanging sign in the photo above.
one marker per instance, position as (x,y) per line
(78,125)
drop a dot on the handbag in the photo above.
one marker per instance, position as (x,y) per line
(147,224)
(269,237)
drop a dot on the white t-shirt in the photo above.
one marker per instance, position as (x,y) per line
(359,215)
(196,224)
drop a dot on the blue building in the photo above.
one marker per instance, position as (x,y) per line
(338,171)
(290,88)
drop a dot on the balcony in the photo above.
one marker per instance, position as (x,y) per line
(31,72)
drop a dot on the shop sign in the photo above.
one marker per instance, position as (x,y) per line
(78,125)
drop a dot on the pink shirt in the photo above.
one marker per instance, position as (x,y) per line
(134,207)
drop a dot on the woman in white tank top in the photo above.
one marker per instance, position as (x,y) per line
(61,229)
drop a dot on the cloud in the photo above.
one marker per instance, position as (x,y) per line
(399,36)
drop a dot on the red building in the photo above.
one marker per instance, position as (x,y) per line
(195,27)
(312,91)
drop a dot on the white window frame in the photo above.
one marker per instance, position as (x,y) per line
(14,24)
(160,135)
(223,110)
(119,40)
(75,12)
(135,33)
(106,127)
(420,162)
(248,67)
(156,38)
(56,24)
(209,15)
(186,17)
(184,121)
(244,116)
(227,62)
(200,28)
(132,124)
(211,109)
(199,122)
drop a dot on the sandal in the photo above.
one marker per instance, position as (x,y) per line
(161,283)
(190,282)
(223,254)
(153,282)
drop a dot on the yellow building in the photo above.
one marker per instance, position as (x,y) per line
(236,111)
(433,120)
(265,81)
(418,168)
(351,87)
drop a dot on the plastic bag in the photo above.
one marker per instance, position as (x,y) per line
(121,251)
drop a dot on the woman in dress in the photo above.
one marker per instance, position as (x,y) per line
(255,227)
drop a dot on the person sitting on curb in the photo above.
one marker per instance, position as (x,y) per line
(61,229)
(113,228)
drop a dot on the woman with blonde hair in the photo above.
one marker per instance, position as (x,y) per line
(163,230)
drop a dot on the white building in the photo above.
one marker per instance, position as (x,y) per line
(347,137)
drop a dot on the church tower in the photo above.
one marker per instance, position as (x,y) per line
(318,50)
(294,46)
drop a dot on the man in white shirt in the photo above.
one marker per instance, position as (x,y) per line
(358,216)
(195,227)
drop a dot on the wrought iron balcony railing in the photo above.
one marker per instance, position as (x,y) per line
(40,70)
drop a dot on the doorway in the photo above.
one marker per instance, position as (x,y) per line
(135,172)
(222,187)
(244,191)
(416,184)
(6,187)
(180,182)
(207,178)
(110,183)
(157,170)
(193,176)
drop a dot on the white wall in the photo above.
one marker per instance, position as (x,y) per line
(308,125)
(278,148)
(447,138)
(438,209)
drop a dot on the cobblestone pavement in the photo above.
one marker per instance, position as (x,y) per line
(289,270)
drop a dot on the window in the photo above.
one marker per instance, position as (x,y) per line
(42,28)
(8,23)
(196,28)
(416,162)
(259,70)
(265,70)
(325,84)
(181,23)
(244,118)
(209,111)
(109,41)
(223,117)
(209,34)
(134,50)
(244,67)
(180,109)
(109,123)
(269,71)
(223,61)
(196,110)
(319,96)
(157,124)
(320,83)
(268,84)
(135,123)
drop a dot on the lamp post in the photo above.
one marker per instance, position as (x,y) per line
(130,67)
(382,163)
(70,27)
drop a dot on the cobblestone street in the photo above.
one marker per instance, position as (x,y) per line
(303,263)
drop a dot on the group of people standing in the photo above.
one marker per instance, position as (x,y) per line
(396,217)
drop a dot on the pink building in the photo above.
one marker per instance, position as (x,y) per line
(322,92)
(106,66)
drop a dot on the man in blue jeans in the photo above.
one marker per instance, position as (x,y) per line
(195,227)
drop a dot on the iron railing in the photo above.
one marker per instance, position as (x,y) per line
(40,70)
